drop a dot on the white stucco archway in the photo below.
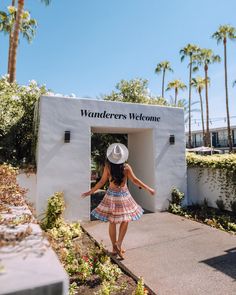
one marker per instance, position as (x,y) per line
(66,166)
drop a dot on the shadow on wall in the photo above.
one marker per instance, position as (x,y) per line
(225,263)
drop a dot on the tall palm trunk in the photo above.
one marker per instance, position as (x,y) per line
(189,106)
(207,139)
(15,41)
(10,44)
(226,98)
(203,127)
(9,52)
(163,83)
(176,94)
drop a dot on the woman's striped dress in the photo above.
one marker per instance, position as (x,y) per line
(117,206)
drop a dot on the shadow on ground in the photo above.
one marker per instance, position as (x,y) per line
(225,263)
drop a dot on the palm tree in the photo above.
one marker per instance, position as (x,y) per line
(27,27)
(163,67)
(176,85)
(11,33)
(190,51)
(14,43)
(10,38)
(205,58)
(221,35)
(15,38)
(199,83)
(6,23)
(183,103)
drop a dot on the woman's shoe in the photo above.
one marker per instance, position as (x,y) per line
(114,252)
(119,251)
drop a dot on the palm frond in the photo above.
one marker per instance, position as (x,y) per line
(182,58)
(46,2)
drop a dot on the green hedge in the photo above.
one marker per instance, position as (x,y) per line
(224,161)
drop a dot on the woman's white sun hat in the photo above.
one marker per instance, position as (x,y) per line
(117,153)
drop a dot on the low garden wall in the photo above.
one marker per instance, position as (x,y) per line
(212,179)
(28,265)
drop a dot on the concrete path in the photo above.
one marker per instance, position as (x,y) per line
(176,256)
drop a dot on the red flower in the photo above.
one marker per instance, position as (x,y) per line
(85,258)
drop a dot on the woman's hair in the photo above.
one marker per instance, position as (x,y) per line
(117,172)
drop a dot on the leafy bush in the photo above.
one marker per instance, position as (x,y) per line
(55,208)
(10,191)
(176,201)
(224,161)
(176,196)
(140,289)
(107,271)
(17,121)
(203,213)
(11,194)
(72,288)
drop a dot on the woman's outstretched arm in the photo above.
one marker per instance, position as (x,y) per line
(137,181)
(99,184)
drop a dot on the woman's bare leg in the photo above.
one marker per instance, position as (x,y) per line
(112,233)
(122,232)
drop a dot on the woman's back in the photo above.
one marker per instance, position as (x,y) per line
(119,178)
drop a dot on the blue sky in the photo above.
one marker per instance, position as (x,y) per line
(86,47)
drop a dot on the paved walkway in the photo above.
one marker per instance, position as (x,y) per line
(176,256)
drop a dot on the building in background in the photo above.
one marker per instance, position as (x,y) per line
(219,138)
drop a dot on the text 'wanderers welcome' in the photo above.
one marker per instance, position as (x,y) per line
(131,116)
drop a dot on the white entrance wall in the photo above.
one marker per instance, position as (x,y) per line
(66,166)
(142,161)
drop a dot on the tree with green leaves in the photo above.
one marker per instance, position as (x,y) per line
(199,83)
(134,91)
(176,85)
(224,33)
(163,67)
(205,58)
(190,51)
(17,137)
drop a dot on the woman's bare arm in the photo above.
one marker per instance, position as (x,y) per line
(99,184)
(137,181)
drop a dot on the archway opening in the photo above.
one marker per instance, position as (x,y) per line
(141,157)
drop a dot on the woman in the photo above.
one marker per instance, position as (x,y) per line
(118,206)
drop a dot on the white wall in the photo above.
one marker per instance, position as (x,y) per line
(63,166)
(28,181)
(201,186)
(142,161)
(66,166)
(170,160)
